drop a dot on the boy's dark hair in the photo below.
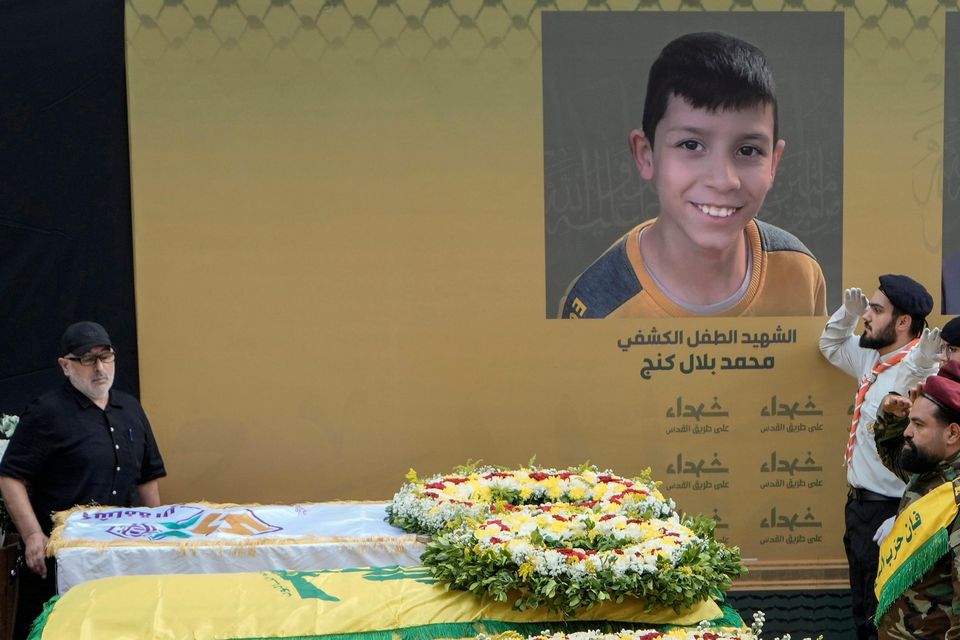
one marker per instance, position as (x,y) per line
(710,71)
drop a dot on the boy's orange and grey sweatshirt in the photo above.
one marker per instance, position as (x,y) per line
(785,280)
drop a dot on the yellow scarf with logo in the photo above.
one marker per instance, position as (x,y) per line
(918,540)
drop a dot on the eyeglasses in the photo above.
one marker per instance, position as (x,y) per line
(106,357)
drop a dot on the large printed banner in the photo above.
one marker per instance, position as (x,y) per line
(355,223)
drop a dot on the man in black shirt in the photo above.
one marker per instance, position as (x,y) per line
(82,443)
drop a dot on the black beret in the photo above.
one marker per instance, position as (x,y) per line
(951,332)
(907,294)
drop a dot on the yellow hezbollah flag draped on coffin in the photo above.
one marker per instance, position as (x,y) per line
(360,604)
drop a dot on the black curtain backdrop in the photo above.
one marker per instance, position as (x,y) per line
(66,243)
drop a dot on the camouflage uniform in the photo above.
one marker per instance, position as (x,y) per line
(888,434)
(931,607)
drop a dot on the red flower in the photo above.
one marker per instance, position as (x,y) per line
(539,475)
(607,516)
(618,497)
(572,553)
(455,480)
(495,540)
(434,485)
(560,518)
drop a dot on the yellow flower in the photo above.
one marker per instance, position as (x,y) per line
(481,492)
(557,526)
(525,492)
(577,493)
(553,487)
(526,570)
(516,520)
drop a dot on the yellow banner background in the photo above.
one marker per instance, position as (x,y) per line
(339,236)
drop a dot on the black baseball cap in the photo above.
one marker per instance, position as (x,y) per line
(80,337)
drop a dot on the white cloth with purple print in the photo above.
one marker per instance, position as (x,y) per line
(96,542)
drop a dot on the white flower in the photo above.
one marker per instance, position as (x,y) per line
(8,424)
(680,633)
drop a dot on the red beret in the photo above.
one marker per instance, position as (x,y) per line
(944,388)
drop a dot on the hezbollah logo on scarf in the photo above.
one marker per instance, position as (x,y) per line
(918,540)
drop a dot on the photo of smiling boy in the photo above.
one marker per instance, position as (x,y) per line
(709,143)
